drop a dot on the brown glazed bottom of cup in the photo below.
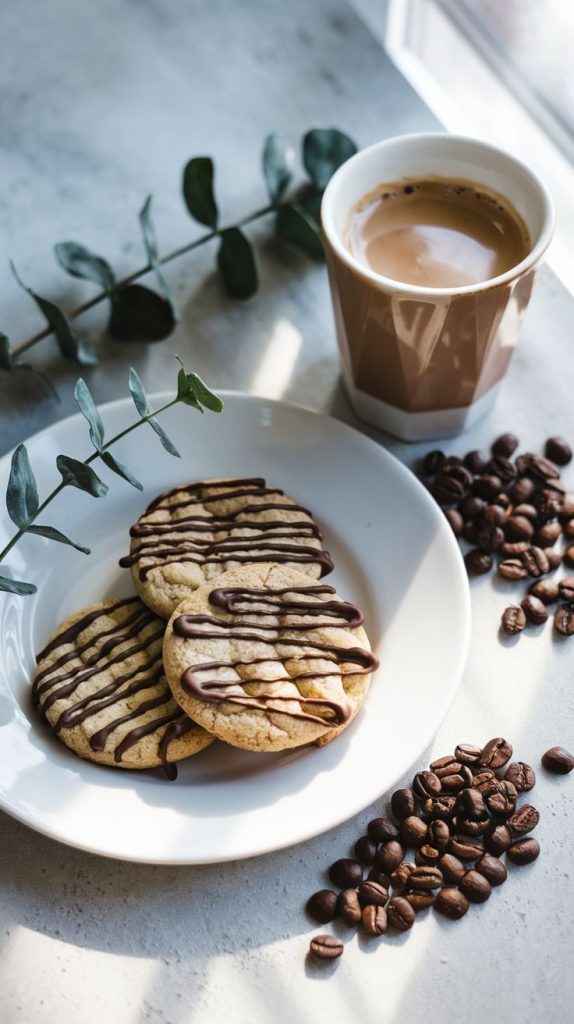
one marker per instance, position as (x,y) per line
(425,354)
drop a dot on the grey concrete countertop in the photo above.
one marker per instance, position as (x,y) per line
(99,105)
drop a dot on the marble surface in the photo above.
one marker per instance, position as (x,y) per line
(100,104)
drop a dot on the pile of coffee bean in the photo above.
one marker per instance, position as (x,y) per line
(460,816)
(513,511)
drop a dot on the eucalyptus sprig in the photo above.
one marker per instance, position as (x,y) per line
(22,499)
(138,313)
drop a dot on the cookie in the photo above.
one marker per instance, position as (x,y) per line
(193,533)
(100,685)
(266,659)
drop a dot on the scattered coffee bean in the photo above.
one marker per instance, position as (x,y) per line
(433,462)
(400,914)
(498,840)
(470,804)
(466,848)
(413,830)
(420,900)
(489,537)
(568,528)
(512,569)
(326,947)
(427,855)
(444,765)
(524,851)
(477,462)
(426,784)
(487,487)
(452,462)
(381,830)
(549,505)
(547,535)
(513,549)
(452,868)
(569,555)
(518,528)
(366,850)
(426,878)
(403,803)
(537,467)
(505,445)
(372,894)
(524,820)
(493,515)
(545,590)
(492,868)
(564,620)
(522,490)
(474,826)
(484,780)
(322,905)
(438,835)
(500,466)
(475,886)
(348,906)
(447,490)
(460,473)
(558,760)
(455,521)
(534,609)
(504,501)
(479,562)
(535,561)
(401,875)
(513,620)
(467,754)
(566,589)
(554,559)
(521,775)
(470,531)
(390,856)
(452,903)
(440,807)
(495,754)
(378,875)
(503,800)
(526,511)
(471,507)
(558,451)
(568,506)
(346,873)
(374,920)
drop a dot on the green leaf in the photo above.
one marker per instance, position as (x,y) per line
(278,161)
(52,534)
(198,191)
(312,206)
(10,362)
(78,261)
(184,391)
(16,587)
(138,393)
(71,347)
(204,395)
(77,474)
(297,229)
(167,444)
(22,499)
(118,467)
(138,314)
(324,150)
(150,244)
(90,412)
(237,264)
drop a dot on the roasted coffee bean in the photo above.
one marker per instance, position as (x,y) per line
(471,507)
(568,506)
(400,914)
(372,894)
(433,462)
(451,903)
(511,549)
(547,535)
(466,753)
(403,803)
(470,531)
(492,868)
(498,840)
(558,451)
(438,835)
(476,462)
(475,887)
(322,905)
(535,561)
(569,555)
(513,620)
(554,559)
(348,906)
(413,831)
(504,501)
(521,775)
(466,848)
(502,467)
(454,520)
(378,875)
(490,538)
(478,562)
(522,490)
(474,826)
(326,947)
(454,783)
(564,619)
(444,765)
(401,875)
(549,505)
(566,589)
(524,820)
(525,511)
(426,878)
(524,851)
(440,807)
(346,873)
(568,528)
(487,487)
(545,590)
(512,569)
(459,473)
(420,900)
(452,868)
(534,609)
(483,778)
(518,528)
(493,515)
(390,856)
(446,490)
(495,754)
(452,462)
(427,855)
(426,784)
(503,800)
(382,830)
(470,804)
(374,920)
(505,445)
(558,760)
(366,850)
(536,466)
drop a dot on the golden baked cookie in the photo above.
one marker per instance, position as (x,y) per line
(193,533)
(265,658)
(100,685)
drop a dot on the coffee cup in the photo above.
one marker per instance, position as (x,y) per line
(426,362)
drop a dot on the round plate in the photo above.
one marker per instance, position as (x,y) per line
(394,555)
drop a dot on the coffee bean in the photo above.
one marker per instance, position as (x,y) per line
(403,803)
(440,807)
(470,531)
(504,501)
(372,894)
(490,537)
(513,549)
(524,820)
(524,851)
(366,850)
(382,830)
(478,562)
(512,569)
(444,765)
(471,507)
(568,506)
(390,856)
(433,462)
(346,873)
(521,775)
(452,462)
(492,868)
(525,511)
(426,878)
(400,914)
(446,490)
(348,906)
(475,887)
(322,905)
(554,559)
(536,466)
(564,620)
(487,487)
(466,848)
(568,528)
(459,473)
(558,760)
(503,800)
(498,840)
(502,467)
(470,804)
(569,555)
(505,445)
(474,826)
(566,589)
(326,947)
(545,590)
(374,920)
(476,462)
(513,620)
(378,875)
(454,783)
(558,451)
(496,753)
(534,609)
(401,875)
(547,535)
(518,528)
(549,505)
(484,780)
(466,753)
(535,561)
(426,784)
(452,868)
(493,515)
(522,490)
(413,830)
(438,835)
(427,855)
(455,521)
(420,900)
(451,903)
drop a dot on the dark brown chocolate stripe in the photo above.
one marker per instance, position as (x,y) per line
(197,485)
(140,616)
(95,702)
(70,634)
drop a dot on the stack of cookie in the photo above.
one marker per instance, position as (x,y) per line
(254,652)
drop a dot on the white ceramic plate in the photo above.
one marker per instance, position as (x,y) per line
(394,555)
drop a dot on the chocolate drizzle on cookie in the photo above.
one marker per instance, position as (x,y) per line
(111,646)
(293,612)
(177,540)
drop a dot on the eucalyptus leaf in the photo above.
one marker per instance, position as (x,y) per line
(204,395)
(237,264)
(51,533)
(198,191)
(184,391)
(90,412)
(17,587)
(138,314)
(78,474)
(278,162)
(166,442)
(118,467)
(296,228)
(312,206)
(22,499)
(150,244)
(71,347)
(138,393)
(8,361)
(324,150)
(78,261)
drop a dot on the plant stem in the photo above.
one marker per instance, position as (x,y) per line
(130,278)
